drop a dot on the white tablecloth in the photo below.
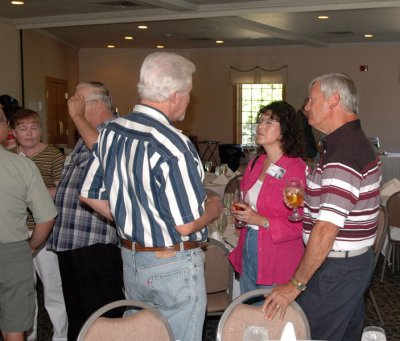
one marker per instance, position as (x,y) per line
(390,167)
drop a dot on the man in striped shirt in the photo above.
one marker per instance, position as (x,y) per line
(147,176)
(340,218)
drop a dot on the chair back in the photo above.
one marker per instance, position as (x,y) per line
(239,315)
(233,184)
(381,232)
(218,275)
(147,324)
(393,207)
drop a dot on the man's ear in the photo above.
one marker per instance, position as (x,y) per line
(334,100)
(173,97)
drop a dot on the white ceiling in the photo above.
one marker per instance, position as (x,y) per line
(198,23)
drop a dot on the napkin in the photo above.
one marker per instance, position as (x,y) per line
(288,333)
(220,180)
(390,187)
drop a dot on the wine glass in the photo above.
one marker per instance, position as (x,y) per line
(220,224)
(228,200)
(294,194)
(224,168)
(373,333)
(239,198)
(208,166)
(217,170)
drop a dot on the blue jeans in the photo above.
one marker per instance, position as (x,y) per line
(248,278)
(174,285)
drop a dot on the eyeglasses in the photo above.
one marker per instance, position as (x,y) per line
(91,100)
(267,121)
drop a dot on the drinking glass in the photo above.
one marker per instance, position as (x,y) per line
(220,224)
(373,333)
(239,198)
(217,170)
(224,168)
(294,194)
(255,333)
(208,166)
(228,200)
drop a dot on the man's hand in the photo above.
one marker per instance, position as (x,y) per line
(76,105)
(279,299)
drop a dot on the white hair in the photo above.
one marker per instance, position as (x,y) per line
(163,73)
(99,90)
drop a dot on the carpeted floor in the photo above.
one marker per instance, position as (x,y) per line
(387,295)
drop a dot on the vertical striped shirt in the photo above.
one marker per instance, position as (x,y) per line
(344,188)
(152,176)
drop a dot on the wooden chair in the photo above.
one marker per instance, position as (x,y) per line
(239,315)
(145,325)
(381,233)
(392,251)
(218,275)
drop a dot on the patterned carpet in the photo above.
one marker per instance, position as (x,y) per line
(387,295)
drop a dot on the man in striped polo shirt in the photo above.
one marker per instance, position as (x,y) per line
(340,218)
(147,176)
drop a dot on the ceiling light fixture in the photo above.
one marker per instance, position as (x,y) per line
(160,46)
(219,41)
(142,27)
(110,46)
(17,2)
(368,35)
(128,38)
(323,17)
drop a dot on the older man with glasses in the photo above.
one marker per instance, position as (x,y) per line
(85,242)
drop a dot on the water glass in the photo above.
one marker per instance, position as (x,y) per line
(228,200)
(217,170)
(224,168)
(255,333)
(373,333)
(208,166)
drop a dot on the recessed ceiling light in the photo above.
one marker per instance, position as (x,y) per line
(17,2)
(160,46)
(368,35)
(323,17)
(219,41)
(110,46)
(128,38)
(142,27)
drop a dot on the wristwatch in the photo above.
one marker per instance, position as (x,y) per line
(266,224)
(299,286)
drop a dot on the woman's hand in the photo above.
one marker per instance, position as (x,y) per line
(247,214)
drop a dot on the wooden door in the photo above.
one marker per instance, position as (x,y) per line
(57,111)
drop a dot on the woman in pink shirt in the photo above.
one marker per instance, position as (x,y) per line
(271,246)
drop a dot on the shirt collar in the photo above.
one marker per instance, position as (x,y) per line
(104,123)
(342,132)
(153,112)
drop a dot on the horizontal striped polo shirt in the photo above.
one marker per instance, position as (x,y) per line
(344,188)
(152,176)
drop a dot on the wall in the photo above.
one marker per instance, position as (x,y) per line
(10,80)
(44,57)
(210,114)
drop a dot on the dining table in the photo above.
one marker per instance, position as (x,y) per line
(390,166)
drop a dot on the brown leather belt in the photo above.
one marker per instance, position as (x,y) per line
(177,247)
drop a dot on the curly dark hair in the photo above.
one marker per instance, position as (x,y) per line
(292,134)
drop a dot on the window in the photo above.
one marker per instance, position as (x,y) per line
(250,98)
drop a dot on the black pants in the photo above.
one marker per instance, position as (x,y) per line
(91,277)
(334,299)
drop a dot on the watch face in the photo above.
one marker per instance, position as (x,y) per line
(301,287)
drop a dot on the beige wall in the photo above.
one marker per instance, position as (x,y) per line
(10,80)
(210,114)
(46,57)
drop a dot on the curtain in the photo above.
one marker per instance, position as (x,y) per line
(259,75)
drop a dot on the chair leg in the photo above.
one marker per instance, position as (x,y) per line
(378,312)
(385,261)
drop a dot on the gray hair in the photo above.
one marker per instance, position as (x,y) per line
(343,85)
(163,73)
(100,91)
